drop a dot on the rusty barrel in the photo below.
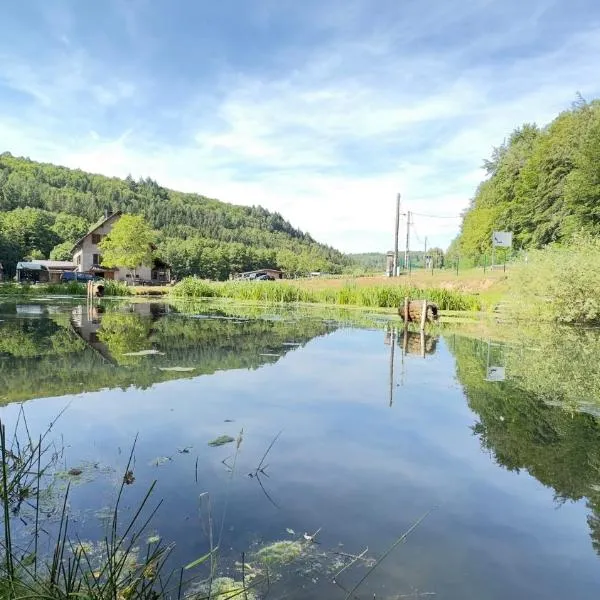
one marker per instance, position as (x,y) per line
(415,311)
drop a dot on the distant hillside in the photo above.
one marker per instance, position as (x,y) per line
(43,208)
(369,261)
(543,185)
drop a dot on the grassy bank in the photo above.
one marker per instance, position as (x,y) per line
(72,288)
(350,294)
(558,284)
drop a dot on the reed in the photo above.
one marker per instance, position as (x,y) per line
(376,296)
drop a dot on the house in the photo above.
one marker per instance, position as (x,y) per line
(87,257)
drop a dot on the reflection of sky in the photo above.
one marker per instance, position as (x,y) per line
(345,461)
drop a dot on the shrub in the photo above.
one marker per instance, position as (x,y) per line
(559,283)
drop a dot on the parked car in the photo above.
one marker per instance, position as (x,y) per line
(76,276)
(265,277)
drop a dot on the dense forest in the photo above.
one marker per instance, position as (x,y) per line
(543,185)
(45,208)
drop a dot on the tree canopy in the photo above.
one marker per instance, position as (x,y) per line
(197,235)
(543,185)
(129,244)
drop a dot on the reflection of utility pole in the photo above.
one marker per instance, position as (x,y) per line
(396,231)
(392,348)
(406,250)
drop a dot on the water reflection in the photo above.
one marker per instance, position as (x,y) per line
(54,350)
(528,424)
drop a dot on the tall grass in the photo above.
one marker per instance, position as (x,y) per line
(375,296)
(559,283)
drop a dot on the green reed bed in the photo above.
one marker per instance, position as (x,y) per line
(382,296)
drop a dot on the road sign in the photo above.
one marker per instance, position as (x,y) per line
(502,239)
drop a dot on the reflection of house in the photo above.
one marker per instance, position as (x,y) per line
(87,257)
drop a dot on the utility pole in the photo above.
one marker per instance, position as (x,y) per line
(396,229)
(406,250)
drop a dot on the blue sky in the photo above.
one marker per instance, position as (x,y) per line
(322,111)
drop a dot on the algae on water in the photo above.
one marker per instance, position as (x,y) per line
(223,588)
(280,553)
(221,440)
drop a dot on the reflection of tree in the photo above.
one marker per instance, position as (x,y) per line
(45,357)
(559,447)
(123,333)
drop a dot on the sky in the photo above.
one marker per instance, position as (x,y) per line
(321,110)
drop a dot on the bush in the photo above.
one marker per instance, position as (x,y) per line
(559,283)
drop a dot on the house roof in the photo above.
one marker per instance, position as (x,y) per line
(30,266)
(61,265)
(96,226)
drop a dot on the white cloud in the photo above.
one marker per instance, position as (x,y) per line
(329,142)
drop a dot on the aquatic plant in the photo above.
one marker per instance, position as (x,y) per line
(375,296)
(280,553)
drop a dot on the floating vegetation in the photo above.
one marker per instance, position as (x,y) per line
(223,588)
(185,450)
(221,440)
(153,539)
(83,473)
(160,460)
(280,553)
(128,478)
(143,353)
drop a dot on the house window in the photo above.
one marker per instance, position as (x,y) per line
(79,259)
(96,238)
(95,259)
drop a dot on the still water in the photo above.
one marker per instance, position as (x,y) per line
(371,431)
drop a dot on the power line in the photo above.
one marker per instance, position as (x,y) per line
(436,216)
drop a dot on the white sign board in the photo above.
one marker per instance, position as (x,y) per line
(502,239)
(496,374)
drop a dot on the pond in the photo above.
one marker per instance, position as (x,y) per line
(332,435)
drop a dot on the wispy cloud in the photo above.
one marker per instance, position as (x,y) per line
(326,129)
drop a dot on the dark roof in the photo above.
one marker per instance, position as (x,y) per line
(95,226)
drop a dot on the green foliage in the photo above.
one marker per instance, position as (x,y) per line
(544,186)
(350,295)
(69,228)
(72,288)
(129,244)
(198,235)
(62,251)
(559,283)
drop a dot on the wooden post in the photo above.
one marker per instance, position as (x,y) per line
(423,315)
(406,310)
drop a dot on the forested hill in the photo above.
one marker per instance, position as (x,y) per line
(44,208)
(544,185)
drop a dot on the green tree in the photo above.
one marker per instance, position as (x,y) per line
(62,251)
(69,228)
(129,244)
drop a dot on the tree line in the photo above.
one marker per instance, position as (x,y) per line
(543,185)
(45,208)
